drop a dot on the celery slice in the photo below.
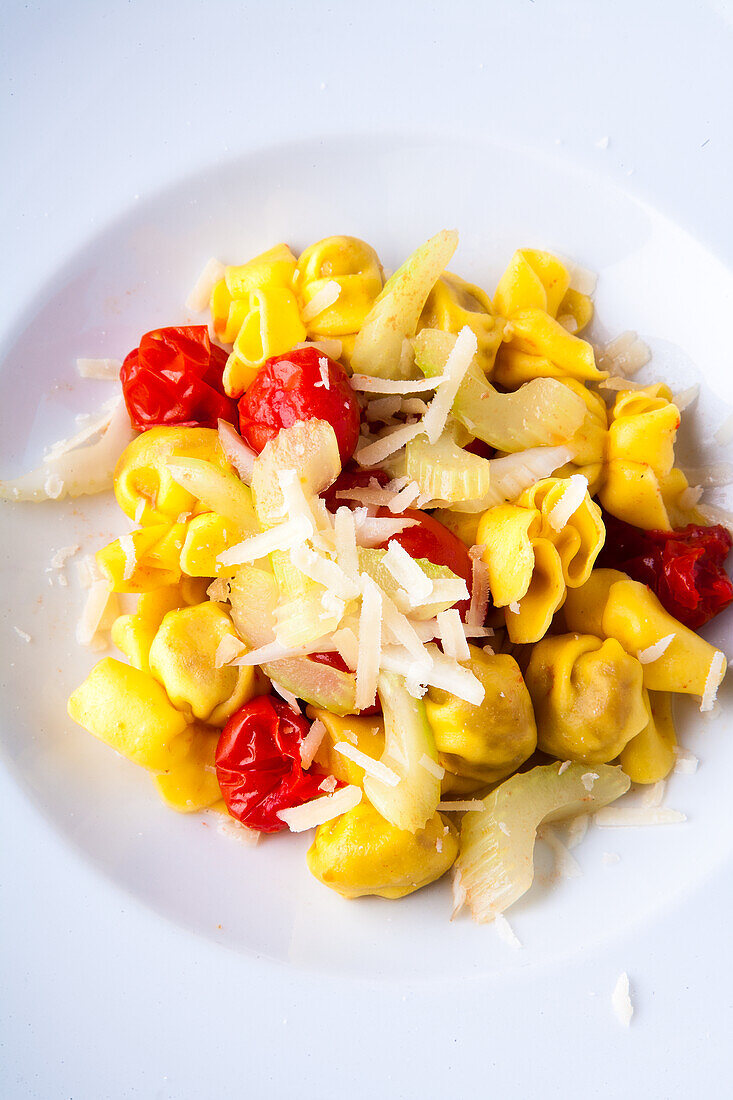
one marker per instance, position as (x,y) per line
(445,472)
(310,449)
(495,861)
(254,599)
(540,413)
(371,563)
(378,349)
(408,737)
(218,490)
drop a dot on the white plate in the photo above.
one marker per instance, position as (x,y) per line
(425,982)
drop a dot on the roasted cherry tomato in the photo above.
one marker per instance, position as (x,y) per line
(174,378)
(430,539)
(258,763)
(302,385)
(685,568)
(335,660)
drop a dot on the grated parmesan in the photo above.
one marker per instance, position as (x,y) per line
(466,806)
(322,300)
(319,810)
(311,743)
(564,766)
(408,574)
(506,932)
(370,643)
(383,408)
(236,451)
(283,537)
(686,762)
(228,649)
(685,398)
(624,817)
(93,611)
(127,546)
(106,369)
(375,453)
(429,765)
(367,383)
(713,681)
(588,779)
(571,499)
(22,634)
(62,555)
(459,360)
(621,1000)
(452,635)
(655,651)
(200,294)
(218,590)
(368,764)
(625,355)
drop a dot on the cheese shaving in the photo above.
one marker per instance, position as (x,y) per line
(654,793)
(228,650)
(452,635)
(458,891)
(322,300)
(347,646)
(689,498)
(319,810)
(506,932)
(128,549)
(403,631)
(61,556)
(588,779)
(22,634)
(624,817)
(370,643)
(106,369)
(218,591)
(431,766)
(687,397)
(408,574)
(621,1000)
(383,408)
(713,680)
(311,743)
(564,766)
(323,371)
(571,499)
(93,611)
(686,762)
(286,536)
(712,514)
(459,360)
(325,572)
(329,784)
(235,830)
(583,279)
(375,530)
(625,355)
(404,498)
(375,453)
(575,829)
(655,651)
(200,294)
(366,383)
(368,765)
(288,696)
(478,609)
(345,541)
(275,651)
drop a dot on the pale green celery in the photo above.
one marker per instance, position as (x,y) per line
(408,738)
(310,449)
(540,413)
(495,860)
(371,563)
(512,474)
(445,472)
(218,490)
(254,598)
(378,349)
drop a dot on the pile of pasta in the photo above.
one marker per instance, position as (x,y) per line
(574,663)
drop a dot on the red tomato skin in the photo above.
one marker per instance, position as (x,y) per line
(258,763)
(289,388)
(431,540)
(684,568)
(174,378)
(351,477)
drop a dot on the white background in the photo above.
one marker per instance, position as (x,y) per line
(103,105)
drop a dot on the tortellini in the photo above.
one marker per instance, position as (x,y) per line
(650,756)
(145,559)
(588,697)
(183,659)
(360,853)
(144,488)
(355,268)
(454,303)
(487,742)
(532,293)
(617,607)
(641,484)
(589,442)
(532,560)
(191,784)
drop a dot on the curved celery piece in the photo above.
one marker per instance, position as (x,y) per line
(495,859)
(371,563)
(393,318)
(446,472)
(540,413)
(254,598)
(310,449)
(218,490)
(408,737)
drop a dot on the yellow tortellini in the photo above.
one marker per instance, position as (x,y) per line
(650,756)
(355,268)
(128,709)
(532,293)
(628,611)
(366,734)
(453,304)
(531,563)
(146,559)
(487,742)
(587,695)
(183,659)
(144,488)
(230,297)
(360,853)
(207,536)
(641,484)
(190,784)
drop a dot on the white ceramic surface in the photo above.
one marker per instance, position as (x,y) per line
(107,997)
